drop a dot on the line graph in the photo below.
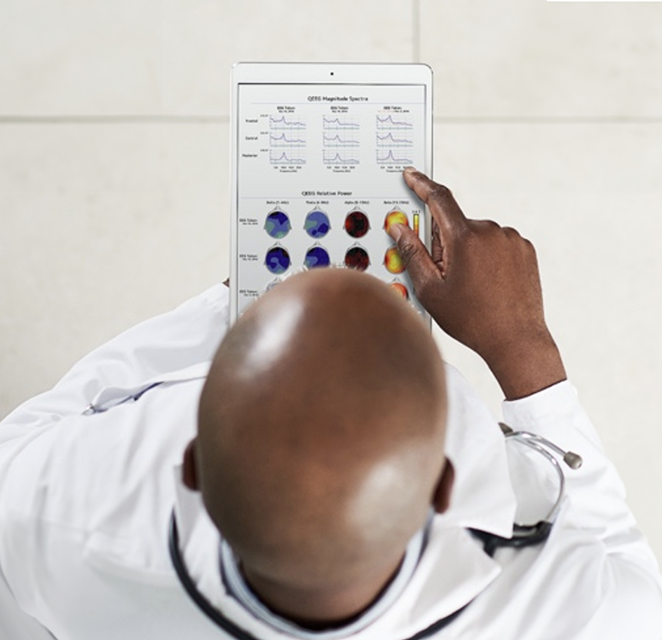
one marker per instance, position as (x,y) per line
(287,140)
(335,157)
(336,140)
(282,140)
(332,123)
(390,158)
(389,140)
(287,122)
(282,157)
(397,122)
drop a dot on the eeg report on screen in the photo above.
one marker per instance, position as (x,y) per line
(319,180)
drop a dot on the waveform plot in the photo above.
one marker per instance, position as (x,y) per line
(390,140)
(396,121)
(345,139)
(283,140)
(336,157)
(387,156)
(333,123)
(286,157)
(287,122)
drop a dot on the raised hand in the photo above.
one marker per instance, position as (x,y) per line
(480,283)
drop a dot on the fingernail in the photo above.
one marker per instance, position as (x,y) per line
(410,170)
(395,231)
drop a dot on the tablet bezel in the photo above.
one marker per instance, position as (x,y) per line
(343,74)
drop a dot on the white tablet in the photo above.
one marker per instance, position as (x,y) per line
(317,157)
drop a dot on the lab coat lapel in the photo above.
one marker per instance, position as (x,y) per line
(453,569)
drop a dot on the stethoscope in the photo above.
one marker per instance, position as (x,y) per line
(527,535)
(524,535)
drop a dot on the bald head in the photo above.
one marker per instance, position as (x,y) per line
(321,432)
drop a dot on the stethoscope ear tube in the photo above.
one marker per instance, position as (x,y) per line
(572,459)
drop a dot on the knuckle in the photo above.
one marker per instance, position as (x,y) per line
(407,250)
(485,226)
(529,246)
(509,232)
(492,225)
(440,193)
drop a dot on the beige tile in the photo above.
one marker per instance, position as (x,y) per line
(524,58)
(174,56)
(590,199)
(103,226)
(80,57)
(203,39)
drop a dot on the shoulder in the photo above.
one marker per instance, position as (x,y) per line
(99,486)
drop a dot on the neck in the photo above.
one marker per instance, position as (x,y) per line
(322,608)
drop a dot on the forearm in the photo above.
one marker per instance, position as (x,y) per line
(524,366)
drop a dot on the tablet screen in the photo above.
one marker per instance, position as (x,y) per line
(319,180)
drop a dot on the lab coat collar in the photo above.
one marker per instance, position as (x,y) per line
(452,572)
(453,569)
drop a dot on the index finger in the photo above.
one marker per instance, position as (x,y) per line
(443,207)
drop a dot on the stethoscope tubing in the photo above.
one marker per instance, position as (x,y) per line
(217,617)
(523,536)
(192,590)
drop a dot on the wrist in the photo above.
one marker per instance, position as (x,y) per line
(524,366)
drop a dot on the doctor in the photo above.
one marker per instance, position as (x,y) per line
(352,514)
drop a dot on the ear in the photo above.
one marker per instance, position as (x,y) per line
(441,499)
(189,471)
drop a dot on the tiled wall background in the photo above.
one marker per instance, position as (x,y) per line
(114,122)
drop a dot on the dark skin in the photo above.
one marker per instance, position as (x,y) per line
(481,285)
(319,498)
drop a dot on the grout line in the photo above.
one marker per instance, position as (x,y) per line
(547,120)
(156,119)
(416,20)
(113,119)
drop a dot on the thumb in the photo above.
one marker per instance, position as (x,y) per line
(415,257)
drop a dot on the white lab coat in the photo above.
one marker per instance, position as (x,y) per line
(85,502)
